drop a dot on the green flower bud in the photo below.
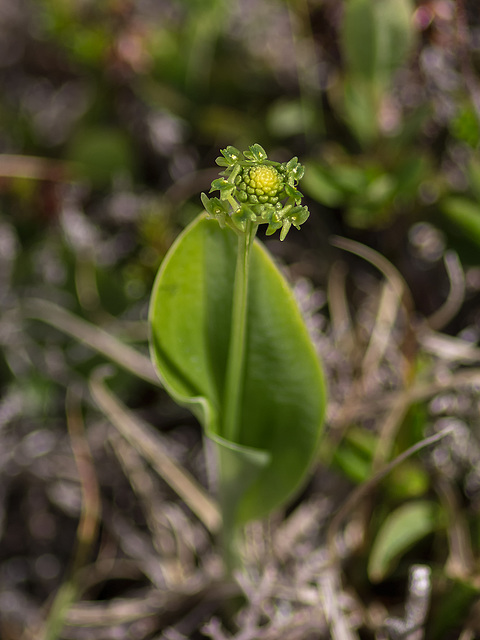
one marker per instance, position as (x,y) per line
(261,183)
(254,189)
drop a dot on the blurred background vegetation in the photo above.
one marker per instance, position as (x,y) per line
(111,116)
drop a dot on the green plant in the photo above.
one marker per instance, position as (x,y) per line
(375,40)
(228,340)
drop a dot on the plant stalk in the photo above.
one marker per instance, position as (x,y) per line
(236,352)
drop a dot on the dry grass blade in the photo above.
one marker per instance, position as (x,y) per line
(461,560)
(168,556)
(457,380)
(92,336)
(141,436)
(380,337)
(118,611)
(35,168)
(91,503)
(381,263)
(456,295)
(362,408)
(395,294)
(339,312)
(87,526)
(330,589)
(448,348)
(389,429)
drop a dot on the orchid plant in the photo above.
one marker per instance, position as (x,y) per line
(229,342)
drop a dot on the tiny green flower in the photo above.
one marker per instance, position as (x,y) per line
(254,188)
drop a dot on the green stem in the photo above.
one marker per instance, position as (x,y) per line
(236,353)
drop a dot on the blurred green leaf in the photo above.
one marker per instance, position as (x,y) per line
(226,188)
(380,189)
(354,454)
(401,530)
(318,184)
(352,463)
(376,38)
(409,480)
(464,214)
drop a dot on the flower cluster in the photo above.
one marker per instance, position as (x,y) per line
(253,188)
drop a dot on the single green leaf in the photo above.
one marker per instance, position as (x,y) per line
(464,214)
(298,215)
(403,528)
(285,228)
(354,454)
(226,188)
(242,215)
(283,395)
(293,192)
(352,463)
(215,207)
(256,153)
(231,155)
